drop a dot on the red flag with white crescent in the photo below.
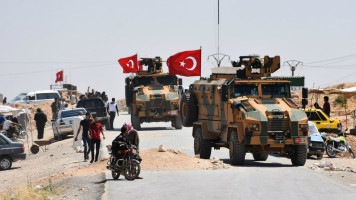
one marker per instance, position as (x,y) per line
(186,63)
(59,76)
(129,64)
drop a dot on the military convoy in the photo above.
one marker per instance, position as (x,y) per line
(241,109)
(153,96)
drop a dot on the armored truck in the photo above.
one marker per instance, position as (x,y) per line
(153,96)
(241,109)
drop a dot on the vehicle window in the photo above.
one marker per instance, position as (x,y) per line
(313,129)
(322,116)
(20,97)
(167,80)
(31,97)
(90,103)
(313,116)
(2,141)
(144,81)
(47,96)
(275,90)
(71,113)
(245,90)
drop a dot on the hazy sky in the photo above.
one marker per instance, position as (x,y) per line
(86,38)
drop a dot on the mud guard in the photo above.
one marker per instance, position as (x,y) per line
(240,131)
(204,127)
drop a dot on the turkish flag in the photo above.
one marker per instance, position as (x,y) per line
(186,63)
(129,64)
(59,76)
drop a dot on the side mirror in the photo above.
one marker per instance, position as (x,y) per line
(180,81)
(305,93)
(224,93)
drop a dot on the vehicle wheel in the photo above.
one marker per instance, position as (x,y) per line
(351,153)
(237,150)
(201,146)
(188,109)
(5,163)
(300,155)
(260,156)
(35,149)
(132,170)
(329,151)
(135,121)
(319,156)
(115,175)
(177,122)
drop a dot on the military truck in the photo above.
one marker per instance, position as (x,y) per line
(153,96)
(241,109)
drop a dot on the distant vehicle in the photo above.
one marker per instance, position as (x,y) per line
(21,98)
(97,108)
(41,96)
(10,152)
(316,145)
(63,125)
(323,122)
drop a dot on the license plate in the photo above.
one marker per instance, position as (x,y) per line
(93,113)
(328,126)
(299,140)
(172,112)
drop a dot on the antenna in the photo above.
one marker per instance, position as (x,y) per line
(217,55)
(293,64)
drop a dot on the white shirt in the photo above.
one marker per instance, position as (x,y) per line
(112,107)
(7,124)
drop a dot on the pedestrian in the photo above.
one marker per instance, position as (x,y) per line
(77,145)
(2,120)
(55,108)
(85,124)
(4,101)
(95,129)
(41,120)
(112,110)
(326,106)
(133,135)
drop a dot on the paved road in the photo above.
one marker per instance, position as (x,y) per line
(273,179)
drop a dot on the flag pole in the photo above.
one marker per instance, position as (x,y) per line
(200,61)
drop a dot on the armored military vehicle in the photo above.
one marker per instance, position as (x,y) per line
(153,96)
(241,109)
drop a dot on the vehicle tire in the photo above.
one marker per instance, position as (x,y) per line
(188,109)
(177,122)
(34,149)
(352,154)
(299,157)
(329,150)
(5,163)
(319,156)
(201,146)
(135,121)
(260,156)
(115,175)
(237,150)
(132,170)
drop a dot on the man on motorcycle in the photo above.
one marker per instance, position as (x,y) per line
(118,145)
(10,127)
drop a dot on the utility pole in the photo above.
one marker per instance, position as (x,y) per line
(293,64)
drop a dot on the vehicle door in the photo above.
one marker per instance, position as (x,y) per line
(4,146)
(325,122)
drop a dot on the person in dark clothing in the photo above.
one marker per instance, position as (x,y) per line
(115,145)
(95,129)
(316,106)
(85,123)
(56,105)
(15,120)
(326,106)
(112,110)
(41,120)
(4,101)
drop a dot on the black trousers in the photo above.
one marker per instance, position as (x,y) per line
(112,117)
(40,130)
(97,148)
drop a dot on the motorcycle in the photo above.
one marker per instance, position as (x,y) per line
(127,165)
(19,134)
(334,145)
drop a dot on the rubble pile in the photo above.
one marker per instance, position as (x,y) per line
(329,166)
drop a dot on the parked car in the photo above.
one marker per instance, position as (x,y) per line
(10,152)
(21,98)
(316,145)
(97,108)
(323,122)
(41,96)
(63,125)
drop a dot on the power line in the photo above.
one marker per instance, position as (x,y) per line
(332,59)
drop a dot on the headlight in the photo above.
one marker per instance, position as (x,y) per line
(303,127)
(254,127)
(174,104)
(140,105)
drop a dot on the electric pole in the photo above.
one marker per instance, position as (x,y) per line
(293,64)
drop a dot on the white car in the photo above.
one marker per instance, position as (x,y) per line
(41,96)
(63,125)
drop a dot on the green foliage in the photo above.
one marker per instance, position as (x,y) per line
(341,101)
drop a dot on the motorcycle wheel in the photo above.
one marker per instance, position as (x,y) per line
(351,153)
(115,175)
(329,150)
(132,170)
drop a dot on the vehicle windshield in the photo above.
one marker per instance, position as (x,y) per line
(19,97)
(313,129)
(275,90)
(90,103)
(167,80)
(144,81)
(47,96)
(71,113)
(245,90)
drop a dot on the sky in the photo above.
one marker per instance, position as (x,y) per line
(86,38)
